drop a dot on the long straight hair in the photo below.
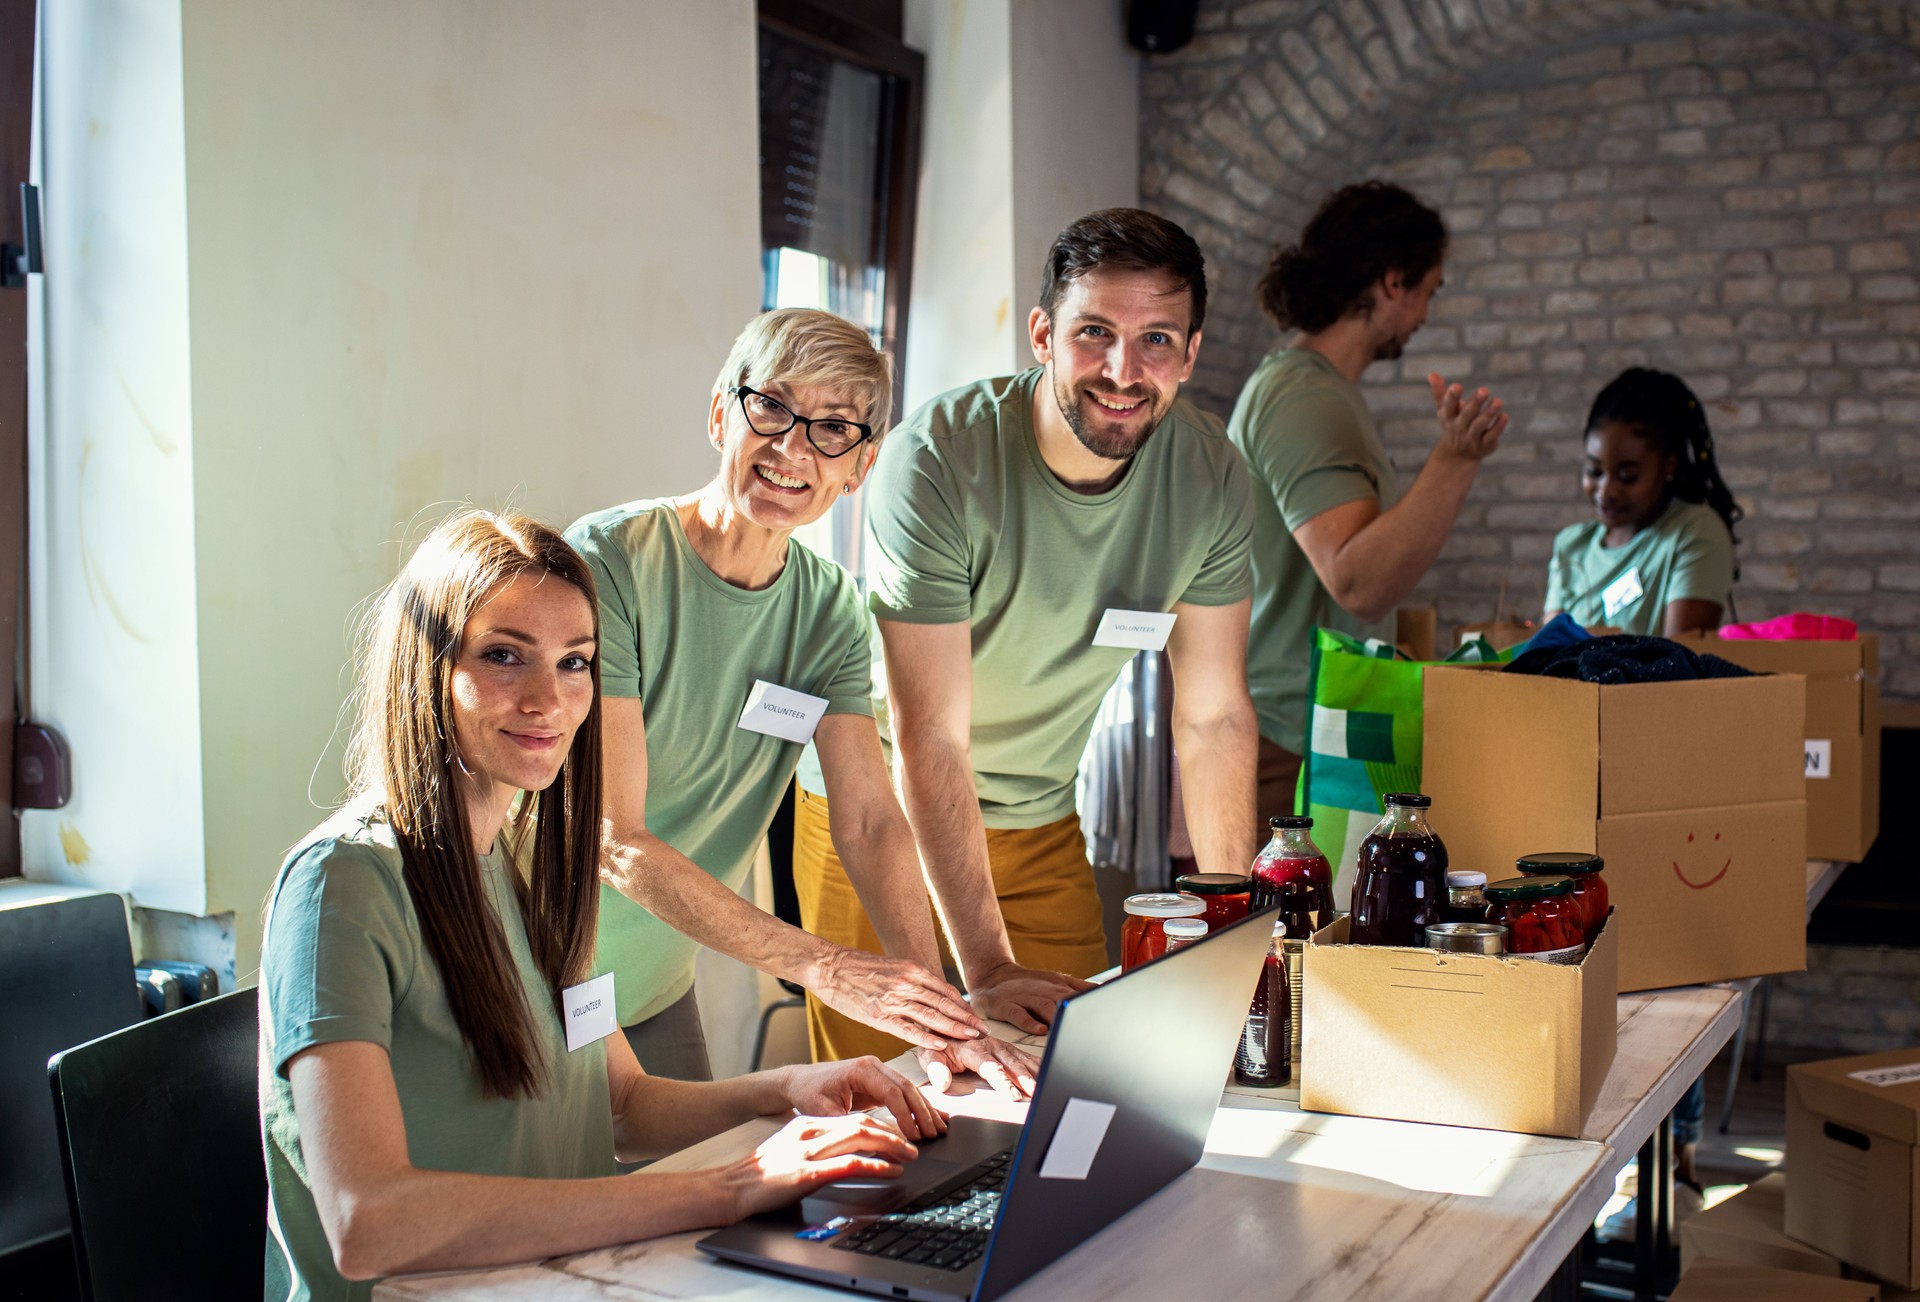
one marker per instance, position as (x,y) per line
(403,754)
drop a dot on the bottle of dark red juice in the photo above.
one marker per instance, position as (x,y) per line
(1266,1042)
(1401,886)
(1291,856)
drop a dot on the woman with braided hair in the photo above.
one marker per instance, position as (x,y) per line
(1658,559)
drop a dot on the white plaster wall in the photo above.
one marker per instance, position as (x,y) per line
(967,319)
(442,251)
(114,641)
(1076,141)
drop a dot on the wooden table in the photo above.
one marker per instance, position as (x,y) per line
(1285,1204)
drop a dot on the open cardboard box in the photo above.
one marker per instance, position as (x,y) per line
(1841,755)
(1749,1229)
(1458,1039)
(1692,792)
(1853,1141)
(1726,1281)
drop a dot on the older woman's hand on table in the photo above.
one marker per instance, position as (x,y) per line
(895,995)
(1024,997)
(1008,1068)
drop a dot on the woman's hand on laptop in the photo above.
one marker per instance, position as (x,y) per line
(830,1088)
(809,1152)
(1008,1068)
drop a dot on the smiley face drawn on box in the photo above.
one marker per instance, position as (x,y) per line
(1701,886)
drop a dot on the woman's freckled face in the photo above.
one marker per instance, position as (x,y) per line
(1625,477)
(523,683)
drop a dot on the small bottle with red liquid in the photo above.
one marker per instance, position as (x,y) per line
(1291,856)
(1401,886)
(1265,1058)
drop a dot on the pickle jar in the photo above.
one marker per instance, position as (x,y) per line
(1141,937)
(1589,887)
(1538,913)
(1226,895)
(1466,896)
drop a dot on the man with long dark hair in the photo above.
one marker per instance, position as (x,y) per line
(1028,534)
(1335,543)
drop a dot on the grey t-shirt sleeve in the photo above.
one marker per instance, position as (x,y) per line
(619,609)
(1226,576)
(920,559)
(338,955)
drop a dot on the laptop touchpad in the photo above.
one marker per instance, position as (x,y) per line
(869,1196)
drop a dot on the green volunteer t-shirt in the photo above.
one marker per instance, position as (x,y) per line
(967,525)
(691,646)
(1686,554)
(1305,432)
(343,959)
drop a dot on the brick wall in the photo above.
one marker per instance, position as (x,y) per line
(1727,190)
(1851,999)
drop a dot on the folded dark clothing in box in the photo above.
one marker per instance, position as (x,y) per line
(1624,658)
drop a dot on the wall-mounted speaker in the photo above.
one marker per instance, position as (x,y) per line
(1160,26)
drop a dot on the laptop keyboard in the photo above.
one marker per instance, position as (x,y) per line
(946,1229)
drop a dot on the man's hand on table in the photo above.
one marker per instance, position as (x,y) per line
(822,1089)
(1024,997)
(811,1151)
(1008,1068)
(895,995)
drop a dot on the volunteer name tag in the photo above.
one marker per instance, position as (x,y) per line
(1819,758)
(589,1011)
(782,712)
(1622,592)
(1142,630)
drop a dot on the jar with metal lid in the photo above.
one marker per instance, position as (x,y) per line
(1183,931)
(1539,917)
(1291,856)
(1589,887)
(1226,895)
(1466,896)
(1141,937)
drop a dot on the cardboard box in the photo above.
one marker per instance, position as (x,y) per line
(1726,1281)
(1749,1229)
(1416,630)
(1457,1039)
(1692,792)
(1842,752)
(1852,1129)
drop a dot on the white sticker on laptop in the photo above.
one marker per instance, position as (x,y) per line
(1621,593)
(1819,758)
(1142,630)
(782,712)
(1905,1074)
(589,1011)
(1076,1140)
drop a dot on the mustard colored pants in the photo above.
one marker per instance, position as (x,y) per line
(1040,875)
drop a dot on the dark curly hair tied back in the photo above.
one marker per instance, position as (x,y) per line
(1660,408)
(1360,233)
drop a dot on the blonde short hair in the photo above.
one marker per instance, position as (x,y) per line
(803,346)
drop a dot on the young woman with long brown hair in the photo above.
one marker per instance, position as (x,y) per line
(422,1107)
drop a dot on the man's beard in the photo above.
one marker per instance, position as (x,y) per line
(1108,444)
(1391,349)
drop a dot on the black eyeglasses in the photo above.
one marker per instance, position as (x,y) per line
(770,418)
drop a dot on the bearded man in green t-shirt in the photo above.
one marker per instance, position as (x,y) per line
(1028,535)
(1335,543)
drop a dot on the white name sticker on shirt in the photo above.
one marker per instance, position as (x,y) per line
(1621,593)
(1819,758)
(782,712)
(1143,630)
(1076,1140)
(589,1011)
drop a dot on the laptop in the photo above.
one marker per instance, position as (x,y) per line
(1126,1093)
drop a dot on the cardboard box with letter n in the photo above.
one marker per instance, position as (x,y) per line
(1691,791)
(1842,750)
(1853,1146)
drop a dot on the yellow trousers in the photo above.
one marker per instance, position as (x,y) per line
(1040,876)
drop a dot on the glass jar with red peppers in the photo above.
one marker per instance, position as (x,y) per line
(1224,894)
(1141,937)
(1589,887)
(1539,916)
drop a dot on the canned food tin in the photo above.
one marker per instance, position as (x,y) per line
(1468,937)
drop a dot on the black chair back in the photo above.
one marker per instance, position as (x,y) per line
(159,1127)
(66,976)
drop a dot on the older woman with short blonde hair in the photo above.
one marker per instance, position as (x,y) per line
(725,647)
